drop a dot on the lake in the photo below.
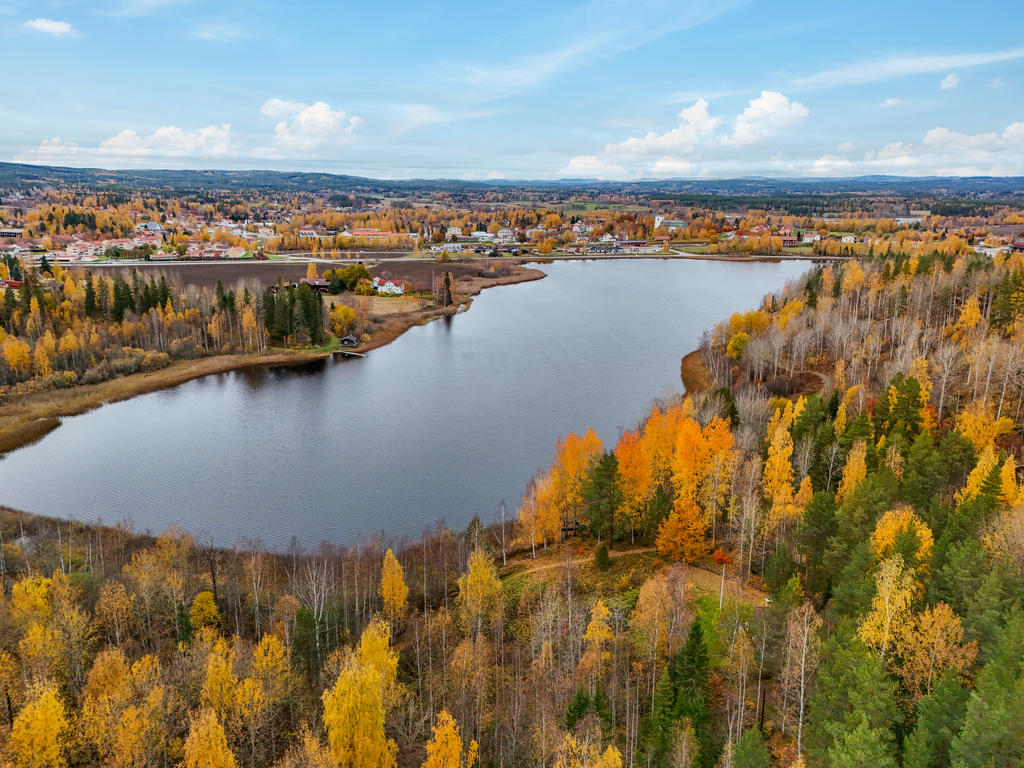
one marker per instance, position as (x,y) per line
(442,424)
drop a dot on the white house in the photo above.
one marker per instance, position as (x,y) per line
(482,236)
(454,232)
(848,239)
(810,237)
(388,286)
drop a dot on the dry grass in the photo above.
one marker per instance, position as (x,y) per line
(628,569)
(382,306)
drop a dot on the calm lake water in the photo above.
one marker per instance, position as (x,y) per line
(444,423)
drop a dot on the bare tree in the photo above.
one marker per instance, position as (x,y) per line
(799,662)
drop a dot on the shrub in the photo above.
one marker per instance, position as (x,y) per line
(601,558)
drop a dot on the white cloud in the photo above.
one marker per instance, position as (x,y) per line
(900,66)
(305,130)
(672,166)
(52,27)
(53,151)
(830,165)
(278,107)
(997,82)
(169,141)
(944,152)
(698,137)
(483,176)
(950,81)
(891,102)
(846,146)
(591,166)
(128,148)
(310,127)
(768,113)
(696,124)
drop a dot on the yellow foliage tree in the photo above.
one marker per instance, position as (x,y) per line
(681,536)
(658,444)
(689,461)
(970,319)
(583,754)
(896,522)
(854,471)
(354,719)
(649,624)
(107,692)
(17,354)
(393,590)
(777,475)
(562,497)
(207,744)
(270,666)
(981,427)
(634,478)
(30,601)
(342,318)
(890,606)
(987,462)
(597,637)
(204,611)
(932,644)
(444,750)
(736,345)
(218,692)
(479,592)
(375,651)
(37,736)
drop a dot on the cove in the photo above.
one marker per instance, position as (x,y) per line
(444,423)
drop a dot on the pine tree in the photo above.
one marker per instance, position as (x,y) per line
(602,497)
(750,751)
(578,708)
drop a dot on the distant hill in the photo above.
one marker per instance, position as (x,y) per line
(14,175)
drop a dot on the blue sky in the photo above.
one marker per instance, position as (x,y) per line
(531,90)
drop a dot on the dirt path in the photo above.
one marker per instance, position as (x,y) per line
(710,581)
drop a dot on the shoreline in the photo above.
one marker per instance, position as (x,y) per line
(29,418)
(743,258)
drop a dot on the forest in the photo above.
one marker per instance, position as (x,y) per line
(61,328)
(816,561)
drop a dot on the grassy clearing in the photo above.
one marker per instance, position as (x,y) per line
(628,569)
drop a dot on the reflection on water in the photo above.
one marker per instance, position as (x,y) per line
(444,423)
